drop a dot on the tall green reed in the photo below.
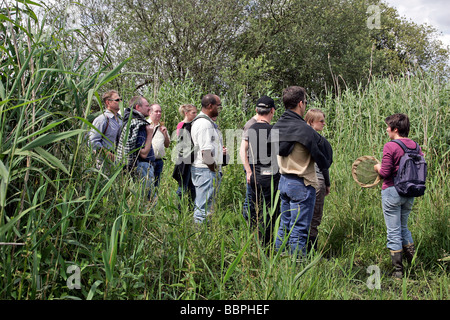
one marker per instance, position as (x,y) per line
(46,96)
(59,211)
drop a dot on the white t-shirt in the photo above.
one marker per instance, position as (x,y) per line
(206,136)
(158,144)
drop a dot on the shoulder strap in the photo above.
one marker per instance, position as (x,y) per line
(202,116)
(404,147)
(155,129)
(187,126)
(107,123)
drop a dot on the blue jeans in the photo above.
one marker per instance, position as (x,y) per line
(206,183)
(396,211)
(159,164)
(145,172)
(245,206)
(297,208)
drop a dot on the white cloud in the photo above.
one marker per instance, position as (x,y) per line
(431,12)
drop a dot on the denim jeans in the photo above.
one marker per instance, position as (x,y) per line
(297,207)
(396,211)
(159,164)
(245,206)
(145,173)
(206,183)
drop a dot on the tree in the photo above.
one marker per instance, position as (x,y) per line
(403,45)
(324,43)
(178,38)
(258,45)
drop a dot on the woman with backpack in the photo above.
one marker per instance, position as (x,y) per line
(182,171)
(396,207)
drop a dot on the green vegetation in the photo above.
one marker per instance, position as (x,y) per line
(58,211)
(250,46)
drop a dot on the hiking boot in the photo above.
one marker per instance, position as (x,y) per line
(396,257)
(408,252)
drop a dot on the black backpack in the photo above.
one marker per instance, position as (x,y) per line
(412,172)
(184,161)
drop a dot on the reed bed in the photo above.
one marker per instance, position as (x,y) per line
(69,231)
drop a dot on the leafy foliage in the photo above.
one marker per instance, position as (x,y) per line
(58,212)
(258,45)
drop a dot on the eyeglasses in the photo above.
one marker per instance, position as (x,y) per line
(116,100)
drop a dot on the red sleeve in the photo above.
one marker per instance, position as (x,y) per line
(179,126)
(388,161)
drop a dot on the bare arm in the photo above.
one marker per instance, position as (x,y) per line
(377,167)
(243,154)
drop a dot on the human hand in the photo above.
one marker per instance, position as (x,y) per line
(110,156)
(249,176)
(377,167)
(149,129)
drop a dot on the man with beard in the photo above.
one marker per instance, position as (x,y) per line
(208,147)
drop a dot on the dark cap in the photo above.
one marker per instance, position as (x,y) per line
(265,102)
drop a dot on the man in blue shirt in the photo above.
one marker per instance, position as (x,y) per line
(108,125)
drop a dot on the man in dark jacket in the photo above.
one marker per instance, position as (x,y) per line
(300,148)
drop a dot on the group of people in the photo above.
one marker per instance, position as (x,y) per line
(137,140)
(290,156)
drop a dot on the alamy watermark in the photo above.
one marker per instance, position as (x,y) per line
(262,146)
(74,281)
(374,280)
(374,20)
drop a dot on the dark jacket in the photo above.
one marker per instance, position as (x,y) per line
(292,128)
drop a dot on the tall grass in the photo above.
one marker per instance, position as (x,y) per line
(58,211)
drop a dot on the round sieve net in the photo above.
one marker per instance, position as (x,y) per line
(363,172)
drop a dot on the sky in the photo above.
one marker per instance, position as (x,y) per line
(432,12)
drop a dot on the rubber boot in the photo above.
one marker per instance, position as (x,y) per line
(396,257)
(408,252)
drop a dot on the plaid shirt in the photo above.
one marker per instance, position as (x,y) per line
(126,146)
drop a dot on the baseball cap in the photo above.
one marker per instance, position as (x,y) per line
(265,102)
